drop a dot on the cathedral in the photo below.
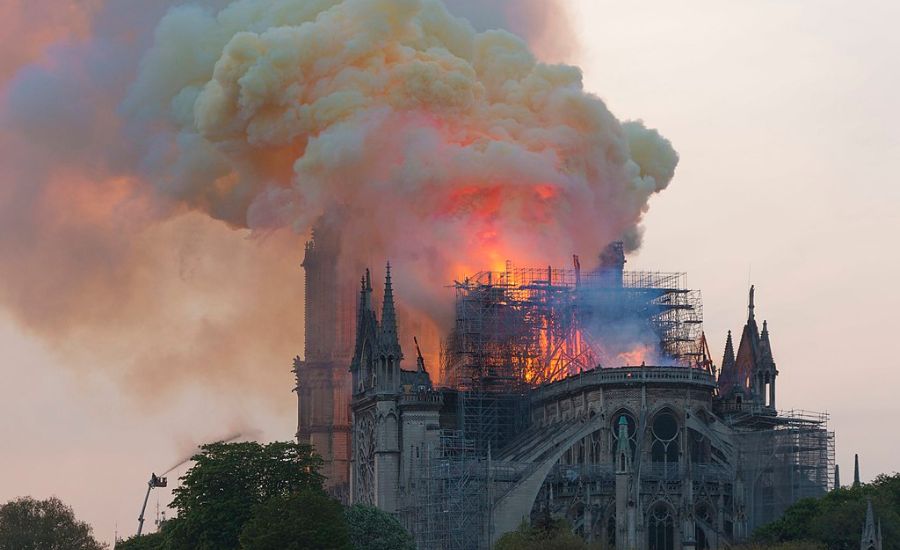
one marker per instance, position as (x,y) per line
(660,452)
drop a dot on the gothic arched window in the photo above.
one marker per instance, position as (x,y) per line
(660,528)
(596,444)
(665,438)
(611,532)
(699,447)
(704,522)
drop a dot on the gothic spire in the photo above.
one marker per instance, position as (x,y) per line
(365,293)
(389,314)
(870,537)
(765,347)
(856,470)
(728,359)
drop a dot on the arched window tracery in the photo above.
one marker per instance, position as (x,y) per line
(661,528)
(665,432)
(704,522)
(611,532)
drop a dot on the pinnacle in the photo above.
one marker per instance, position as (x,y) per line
(388,313)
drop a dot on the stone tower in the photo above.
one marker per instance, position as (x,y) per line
(747,380)
(390,405)
(375,369)
(323,377)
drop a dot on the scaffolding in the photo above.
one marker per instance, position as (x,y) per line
(788,461)
(451,500)
(528,326)
(521,328)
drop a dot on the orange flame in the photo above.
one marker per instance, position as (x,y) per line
(635,357)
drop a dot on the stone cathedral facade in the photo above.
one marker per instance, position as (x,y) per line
(638,457)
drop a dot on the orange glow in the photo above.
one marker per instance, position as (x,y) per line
(559,357)
(636,357)
(103,203)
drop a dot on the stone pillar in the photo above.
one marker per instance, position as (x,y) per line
(720,518)
(688,523)
(625,532)
(772,393)
(588,514)
(387,456)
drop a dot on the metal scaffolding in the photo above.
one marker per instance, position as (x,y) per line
(790,460)
(522,328)
(528,326)
(452,496)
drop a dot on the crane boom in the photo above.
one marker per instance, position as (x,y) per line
(155,481)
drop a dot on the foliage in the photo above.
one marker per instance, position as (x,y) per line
(30,524)
(835,521)
(228,481)
(309,520)
(546,534)
(374,529)
(152,541)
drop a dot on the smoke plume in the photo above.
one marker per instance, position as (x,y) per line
(160,181)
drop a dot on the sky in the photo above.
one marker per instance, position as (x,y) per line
(785,118)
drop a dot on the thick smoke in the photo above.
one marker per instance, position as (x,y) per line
(159,182)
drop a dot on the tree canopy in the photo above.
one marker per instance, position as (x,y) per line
(374,529)
(302,521)
(151,541)
(835,521)
(545,534)
(30,524)
(226,484)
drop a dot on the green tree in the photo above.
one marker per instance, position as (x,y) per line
(836,520)
(302,521)
(30,524)
(152,541)
(228,481)
(546,534)
(374,529)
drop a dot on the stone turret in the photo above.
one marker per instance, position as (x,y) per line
(728,375)
(748,377)
(871,537)
(728,356)
(766,371)
(390,353)
(390,342)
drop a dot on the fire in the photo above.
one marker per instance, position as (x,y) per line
(441,148)
(635,357)
(539,325)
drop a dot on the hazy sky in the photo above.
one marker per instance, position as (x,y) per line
(785,114)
